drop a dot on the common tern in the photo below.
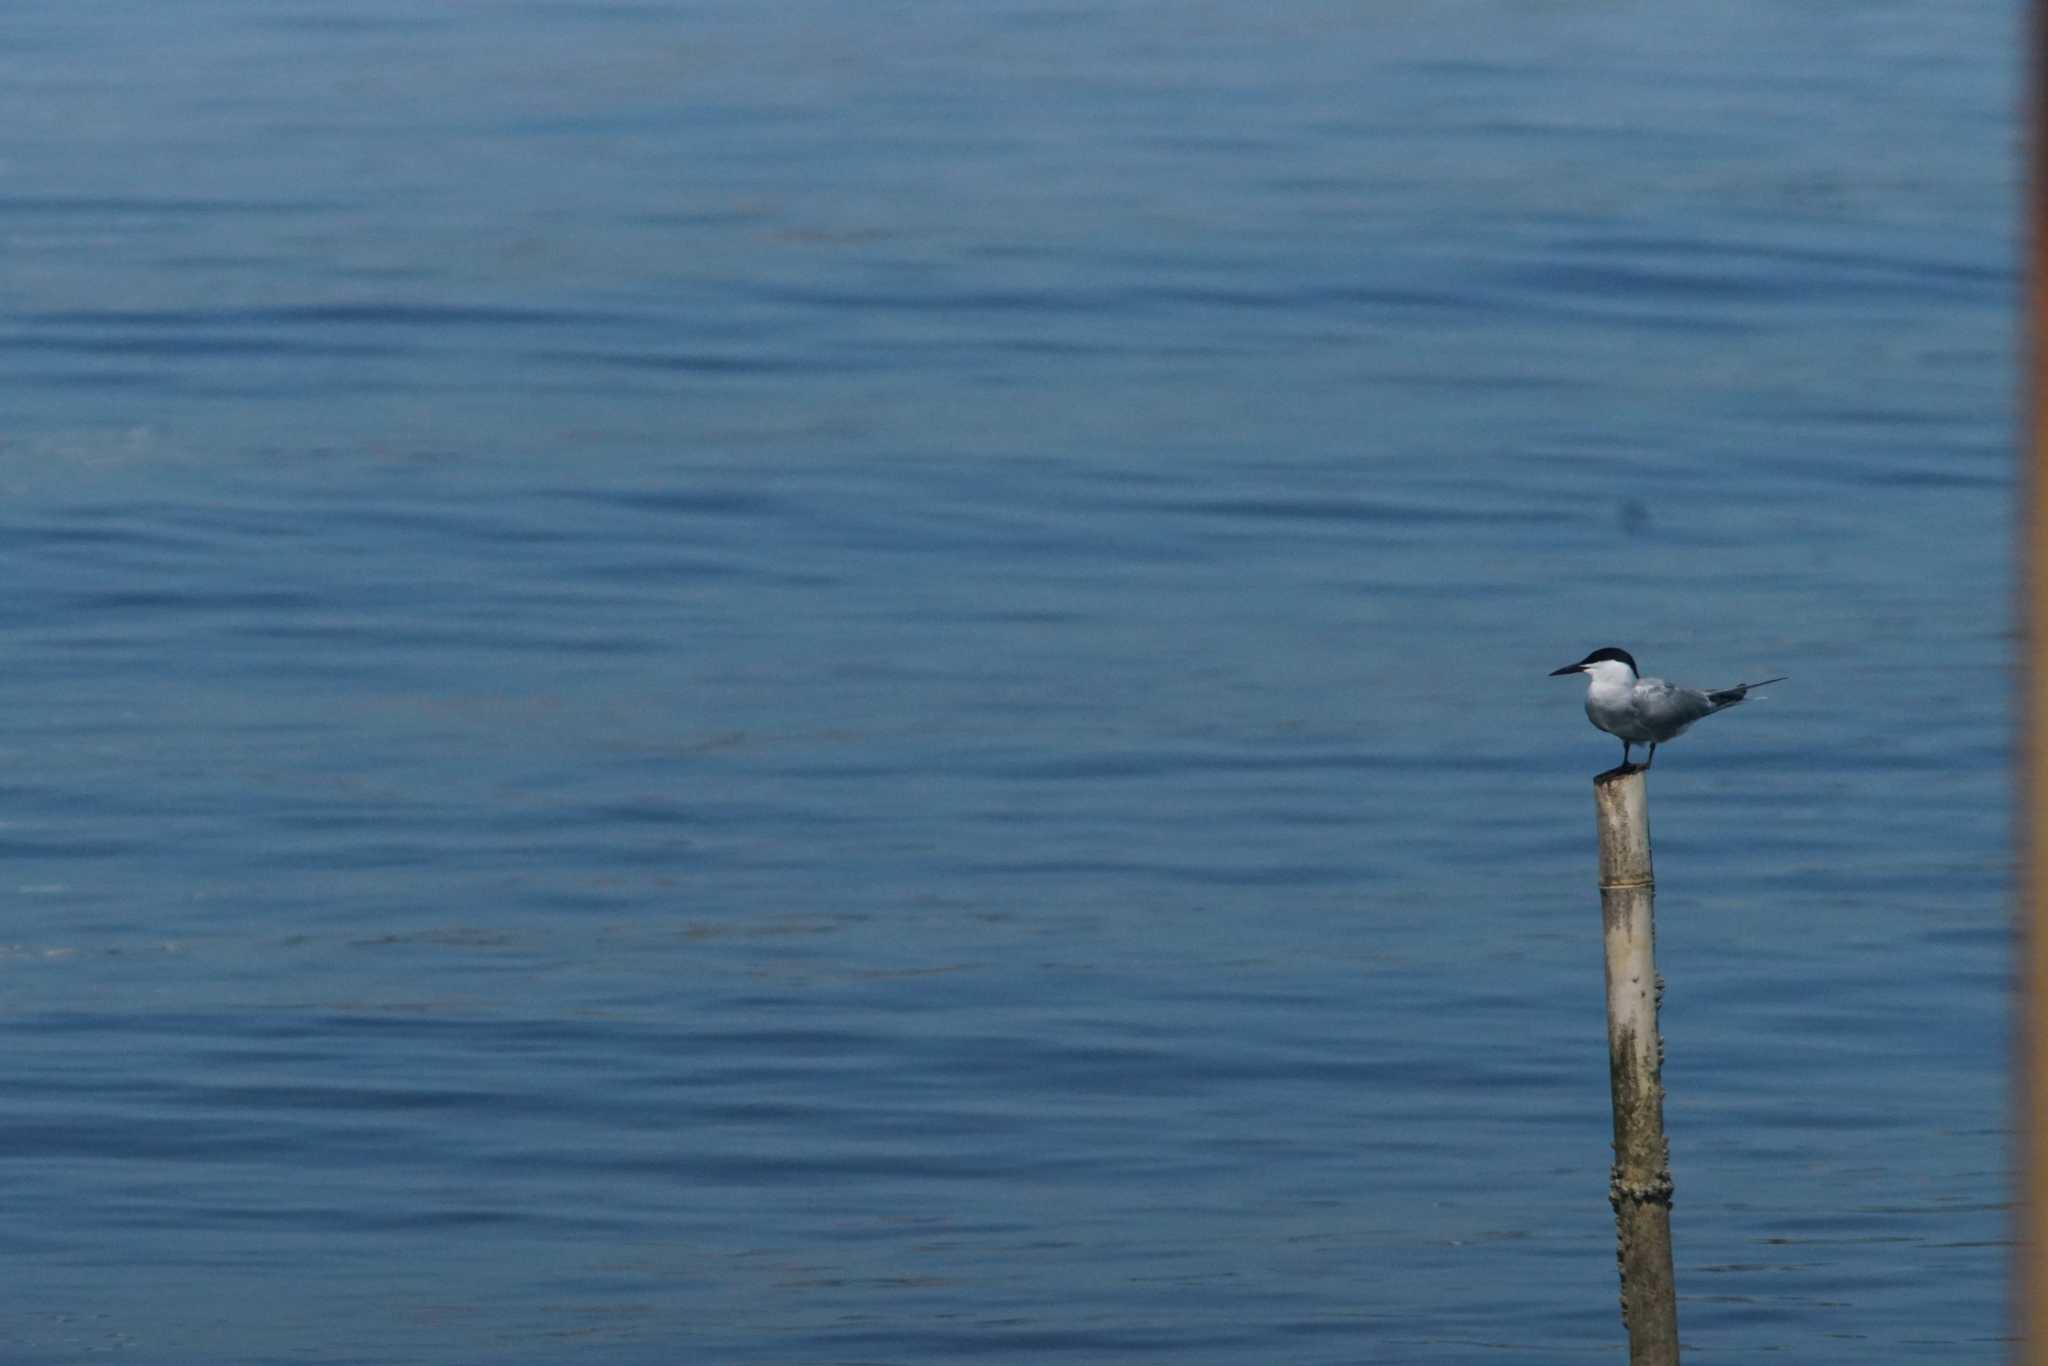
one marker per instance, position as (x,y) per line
(1645,711)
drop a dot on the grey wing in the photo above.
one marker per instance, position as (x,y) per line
(1663,705)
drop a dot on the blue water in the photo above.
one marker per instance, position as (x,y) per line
(809,683)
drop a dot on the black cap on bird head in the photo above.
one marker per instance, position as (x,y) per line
(1603,653)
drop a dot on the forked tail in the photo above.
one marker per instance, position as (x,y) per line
(1728,697)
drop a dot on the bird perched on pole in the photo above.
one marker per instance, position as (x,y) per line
(1645,711)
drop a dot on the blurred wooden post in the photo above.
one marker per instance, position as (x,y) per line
(1641,1188)
(2029,1289)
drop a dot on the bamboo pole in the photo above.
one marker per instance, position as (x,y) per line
(1641,1187)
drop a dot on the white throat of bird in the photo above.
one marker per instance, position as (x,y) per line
(1609,678)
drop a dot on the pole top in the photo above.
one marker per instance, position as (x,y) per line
(1621,808)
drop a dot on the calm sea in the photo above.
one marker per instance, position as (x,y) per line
(820,683)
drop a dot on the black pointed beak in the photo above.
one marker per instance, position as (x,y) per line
(1568,669)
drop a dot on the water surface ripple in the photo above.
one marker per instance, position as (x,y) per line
(694,682)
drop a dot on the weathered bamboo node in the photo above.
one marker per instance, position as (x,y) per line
(1640,1188)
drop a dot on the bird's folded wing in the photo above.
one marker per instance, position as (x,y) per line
(1660,702)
